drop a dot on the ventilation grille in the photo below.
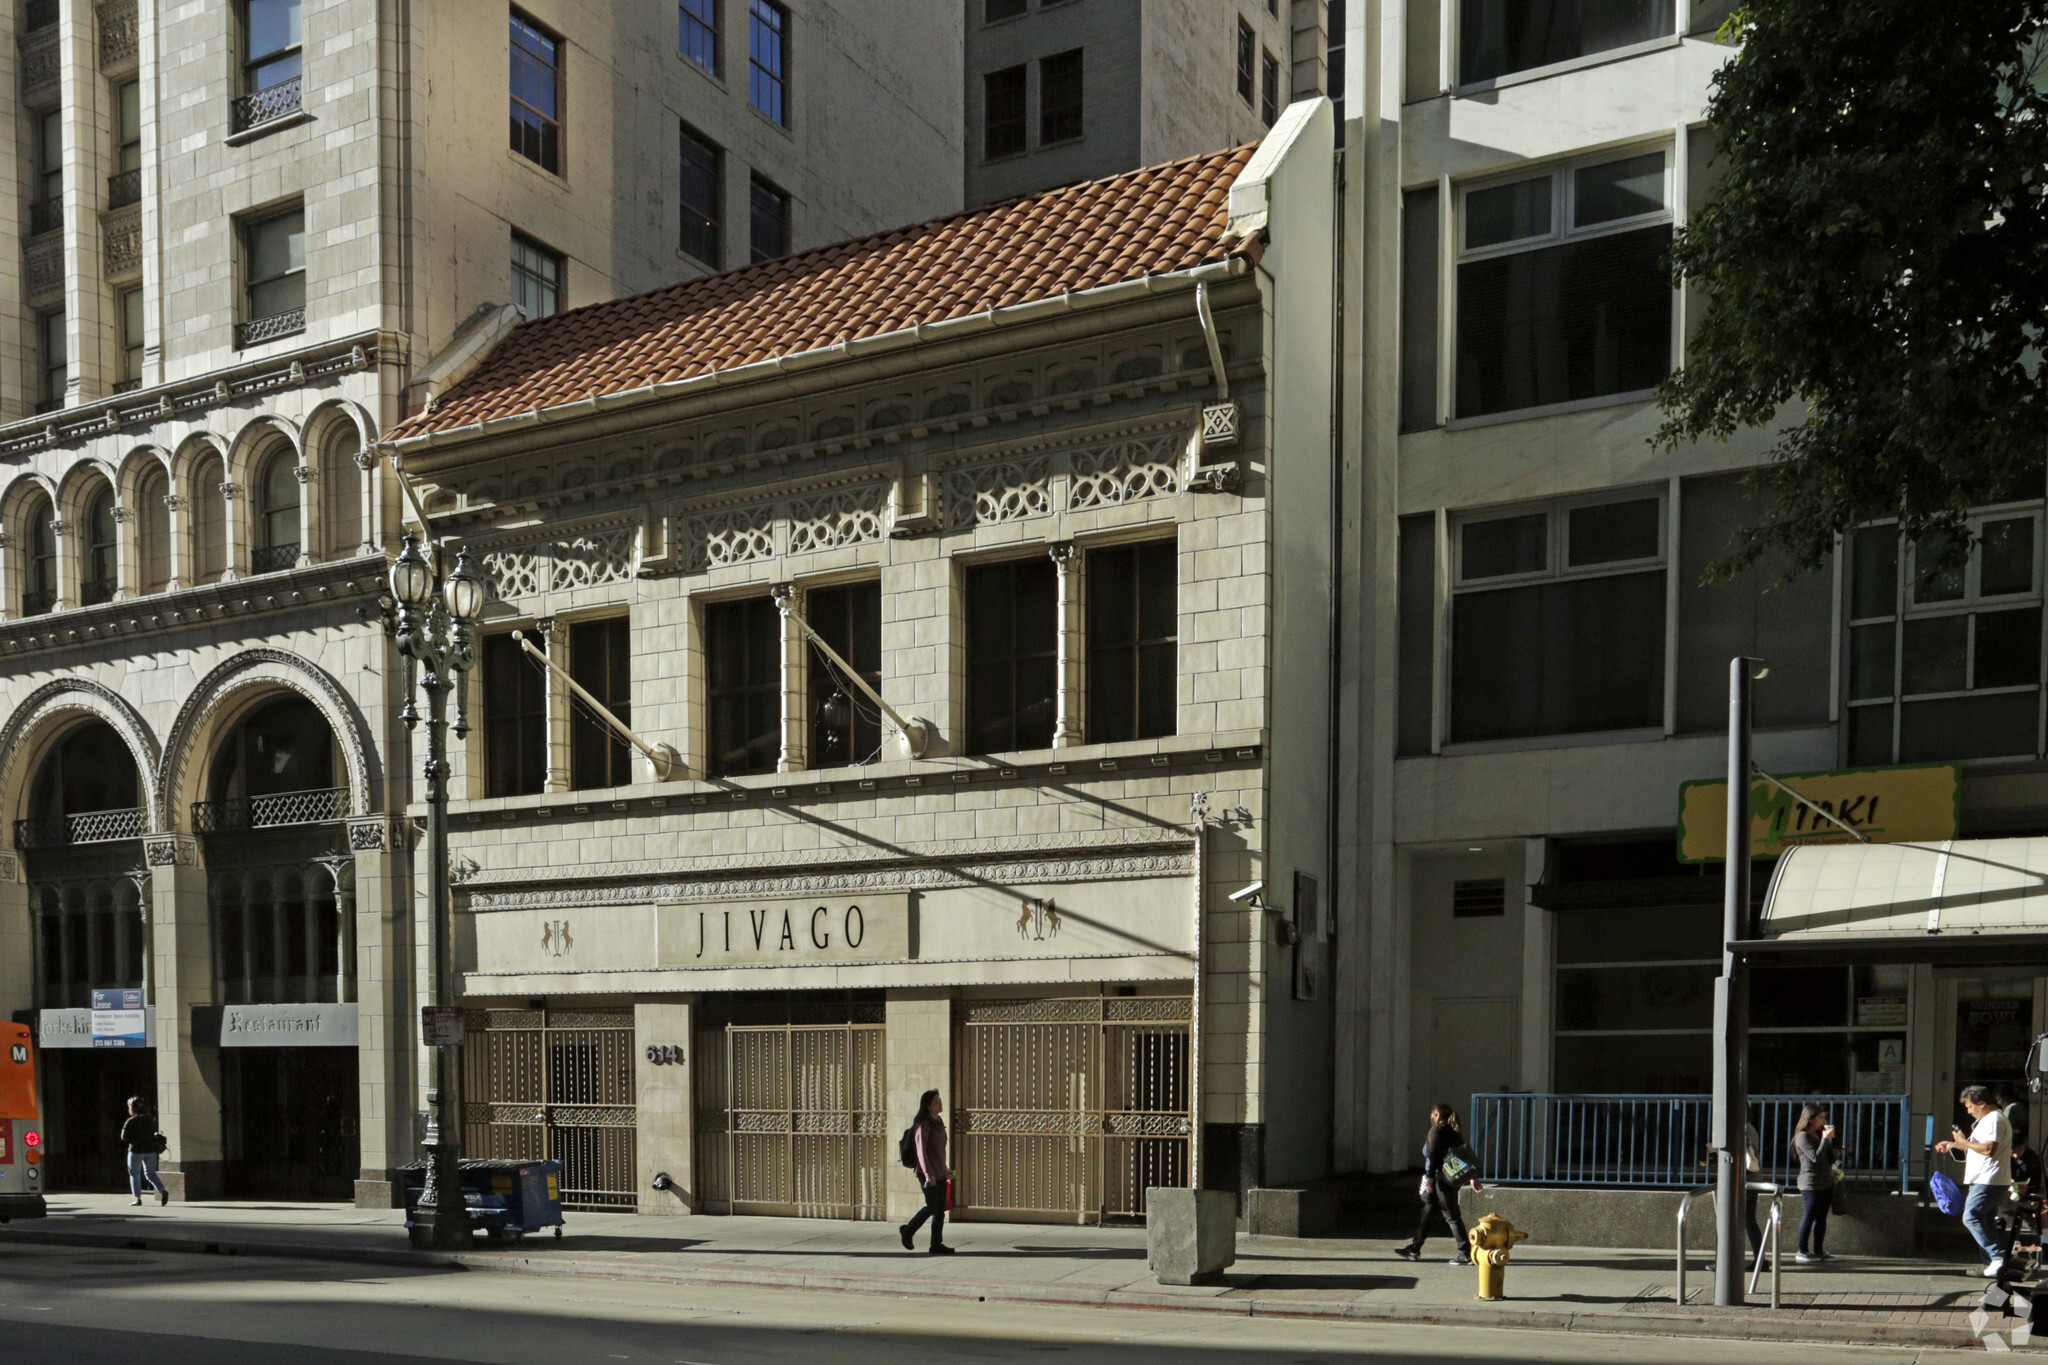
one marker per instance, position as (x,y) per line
(1479,899)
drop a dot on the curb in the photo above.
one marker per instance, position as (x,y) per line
(1675,1323)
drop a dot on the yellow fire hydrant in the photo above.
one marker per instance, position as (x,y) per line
(1492,1238)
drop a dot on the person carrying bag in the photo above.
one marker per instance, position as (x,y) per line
(924,1149)
(1447,1166)
(145,1145)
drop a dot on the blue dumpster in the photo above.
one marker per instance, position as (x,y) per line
(506,1199)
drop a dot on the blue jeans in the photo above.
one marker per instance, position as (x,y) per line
(1813,1227)
(1978,1206)
(141,1169)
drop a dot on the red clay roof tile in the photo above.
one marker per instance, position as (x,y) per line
(1150,221)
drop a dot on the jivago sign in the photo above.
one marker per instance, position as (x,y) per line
(813,932)
(1887,805)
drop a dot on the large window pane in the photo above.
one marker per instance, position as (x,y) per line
(1059,97)
(703,199)
(1618,189)
(1002,112)
(1937,653)
(515,718)
(600,661)
(1508,213)
(2008,648)
(1578,320)
(1875,591)
(845,726)
(743,667)
(1636,997)
(768,58)
(1498,37)
(1653,1064)
(2003,725)
(1011,619)
(536,94)
(1505,545)
(1938,570)
(1610,532)
(2007,563)
(1558,658)
(1132,603)
(1870,661)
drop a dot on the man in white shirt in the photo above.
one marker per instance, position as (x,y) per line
(1987,1170)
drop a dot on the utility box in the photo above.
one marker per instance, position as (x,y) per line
(1190,1235)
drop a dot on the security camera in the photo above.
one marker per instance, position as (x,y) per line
(1249,893)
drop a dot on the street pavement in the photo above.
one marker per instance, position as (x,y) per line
(66,1306)
(1042,1269)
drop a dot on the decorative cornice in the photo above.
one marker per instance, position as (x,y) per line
(1177,862)
(291,589)
(192,397)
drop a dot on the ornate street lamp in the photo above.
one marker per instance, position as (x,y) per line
(436,636)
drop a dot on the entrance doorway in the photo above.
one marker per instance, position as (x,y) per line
(552,1084)
(791,1110)
(1994,1030)
(85,1099)
(1070,1109)
(289,1122)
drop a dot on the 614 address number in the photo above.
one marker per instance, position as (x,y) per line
(665,1054)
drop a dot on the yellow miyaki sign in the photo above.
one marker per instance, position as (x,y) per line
(1888,805)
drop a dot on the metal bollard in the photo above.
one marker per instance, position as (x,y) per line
(1492,1238)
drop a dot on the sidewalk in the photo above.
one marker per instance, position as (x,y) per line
(1873,1302)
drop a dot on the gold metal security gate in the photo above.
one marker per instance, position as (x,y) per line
(1070,1108)
(791,1116)
(555,1084)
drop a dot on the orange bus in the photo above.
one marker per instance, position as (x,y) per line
(21,1127)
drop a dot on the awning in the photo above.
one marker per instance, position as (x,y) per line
(1960,902)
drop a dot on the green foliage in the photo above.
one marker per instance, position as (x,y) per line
(1875,265)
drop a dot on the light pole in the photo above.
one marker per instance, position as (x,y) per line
(1731,1002)
(435,636)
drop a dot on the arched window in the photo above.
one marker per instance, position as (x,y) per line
(209,522)
(154,523)
(341,491)
(278,535)
(100,549)
(39,587)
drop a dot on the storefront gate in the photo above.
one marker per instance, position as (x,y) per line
(1069,1108)
(555,1084)
(790,1117)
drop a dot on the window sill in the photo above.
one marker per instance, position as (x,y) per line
(1609,400)
(1588,739)
(265,129)
(560,179)
(1591,59)
(780,127)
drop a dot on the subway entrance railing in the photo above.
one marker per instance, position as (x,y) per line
(1660,1141)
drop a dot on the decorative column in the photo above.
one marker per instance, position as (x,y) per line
(795,683)
(1068,719)
(663,1096)
(235,543)
(10,576)
(310,521)
(553,639)
(375,936)
(127,554)
(67,564)
(187,1079)
(181,549)
(144,904)
(372,514)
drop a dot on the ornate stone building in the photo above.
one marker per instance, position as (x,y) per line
(965,592)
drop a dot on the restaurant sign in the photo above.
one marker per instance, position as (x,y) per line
(1910,804)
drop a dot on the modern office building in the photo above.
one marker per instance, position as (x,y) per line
(1535,663)
(240,242)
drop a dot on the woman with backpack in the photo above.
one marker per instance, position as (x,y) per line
(1444,1170)
(139,1136)
(927,1142)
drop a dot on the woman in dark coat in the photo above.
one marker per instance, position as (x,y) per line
(932,1172)
(138,1135)
(1440,1196)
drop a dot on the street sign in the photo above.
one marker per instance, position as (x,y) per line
(441,1025)
(1913,804)
(118,1019)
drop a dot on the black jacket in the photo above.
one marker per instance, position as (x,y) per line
(138,1134)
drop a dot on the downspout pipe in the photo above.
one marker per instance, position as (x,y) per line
(1208,321)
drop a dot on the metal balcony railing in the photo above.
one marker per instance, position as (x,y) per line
(269,104)
(38,14)
(94,591)
(259,330)
(35,603)
(1661,1140)
(47,216)
(83,827)
(124,188)
(265,812)
(270,558)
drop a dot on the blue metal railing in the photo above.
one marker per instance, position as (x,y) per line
(1660,1141)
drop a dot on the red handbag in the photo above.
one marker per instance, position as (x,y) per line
(949,1194)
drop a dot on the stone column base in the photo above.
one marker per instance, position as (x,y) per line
(380,1190)
(191,1182)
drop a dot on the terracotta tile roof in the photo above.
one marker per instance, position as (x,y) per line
(1148,222)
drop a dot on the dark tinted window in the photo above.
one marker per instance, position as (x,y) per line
(1558,658)
(845,726)
(515,718)
(1496,37)
(600,659)
(1002,112)
(1133,606)
(767,220)
(744,685)
(1059,97)
(1011,619)
(703,199)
